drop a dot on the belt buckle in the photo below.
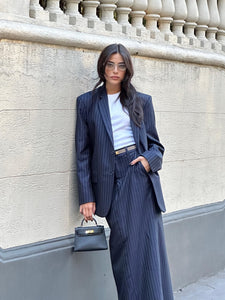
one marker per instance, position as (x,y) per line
(117,152)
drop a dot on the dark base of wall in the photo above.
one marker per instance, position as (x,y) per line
(195,242)
(50,270)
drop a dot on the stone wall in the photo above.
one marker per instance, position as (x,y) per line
(38,94)
(45,66)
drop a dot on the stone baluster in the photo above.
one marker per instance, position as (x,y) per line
(90,8)
(221,31)
(214,21)
(167,12)
(123,10)
(90,13)
(36,11)
(138,13)
(152,16)
(15,8)
(179,17)
(203,20)
(72,7)
(55,13)
(107,8)
(191,19)
(72,11)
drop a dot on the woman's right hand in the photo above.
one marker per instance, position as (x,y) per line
(88,210)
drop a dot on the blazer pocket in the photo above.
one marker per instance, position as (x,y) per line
(142,167)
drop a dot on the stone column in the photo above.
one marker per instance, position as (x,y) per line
(36,11)
(15,8)
(152,16)
(221,31)
(191,19)
(179,17)
(138,13)
(167,12)
(123,10)
(214,21)
(203,19)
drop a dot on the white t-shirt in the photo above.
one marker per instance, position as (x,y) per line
(120,120)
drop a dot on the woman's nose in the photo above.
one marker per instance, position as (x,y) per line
(115,69)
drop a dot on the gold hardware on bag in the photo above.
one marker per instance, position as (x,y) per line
(89,231)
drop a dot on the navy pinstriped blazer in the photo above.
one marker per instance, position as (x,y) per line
(95,153)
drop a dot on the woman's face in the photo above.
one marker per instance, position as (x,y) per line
(115,70)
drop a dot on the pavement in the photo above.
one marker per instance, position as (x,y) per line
(208,288)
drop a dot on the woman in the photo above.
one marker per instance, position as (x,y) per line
(118,156)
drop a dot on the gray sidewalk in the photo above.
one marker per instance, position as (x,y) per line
(209,288)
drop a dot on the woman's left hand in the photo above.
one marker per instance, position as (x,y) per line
(143,161)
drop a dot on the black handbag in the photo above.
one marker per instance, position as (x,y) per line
(90,238)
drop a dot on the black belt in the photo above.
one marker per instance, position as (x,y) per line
(125,149)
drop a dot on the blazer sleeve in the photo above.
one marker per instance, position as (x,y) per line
(83,154)
(155,151)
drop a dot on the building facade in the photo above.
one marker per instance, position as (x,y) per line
(49,51)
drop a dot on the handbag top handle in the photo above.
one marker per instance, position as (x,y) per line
(82,222)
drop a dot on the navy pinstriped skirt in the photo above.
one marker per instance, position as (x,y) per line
(137,245)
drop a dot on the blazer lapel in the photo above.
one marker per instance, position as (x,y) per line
(104,110)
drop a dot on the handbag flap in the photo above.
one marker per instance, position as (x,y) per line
(89,230)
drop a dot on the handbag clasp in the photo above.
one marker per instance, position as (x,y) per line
(89,231)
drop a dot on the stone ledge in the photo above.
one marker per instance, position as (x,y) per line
(11,30)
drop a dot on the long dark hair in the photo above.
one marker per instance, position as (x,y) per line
(128,94)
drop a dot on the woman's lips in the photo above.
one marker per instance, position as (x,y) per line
(115,77)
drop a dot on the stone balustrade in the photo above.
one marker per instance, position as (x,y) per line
(189,23)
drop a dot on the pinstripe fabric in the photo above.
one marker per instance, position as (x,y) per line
(137,246)
(129,197)
(95,153)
